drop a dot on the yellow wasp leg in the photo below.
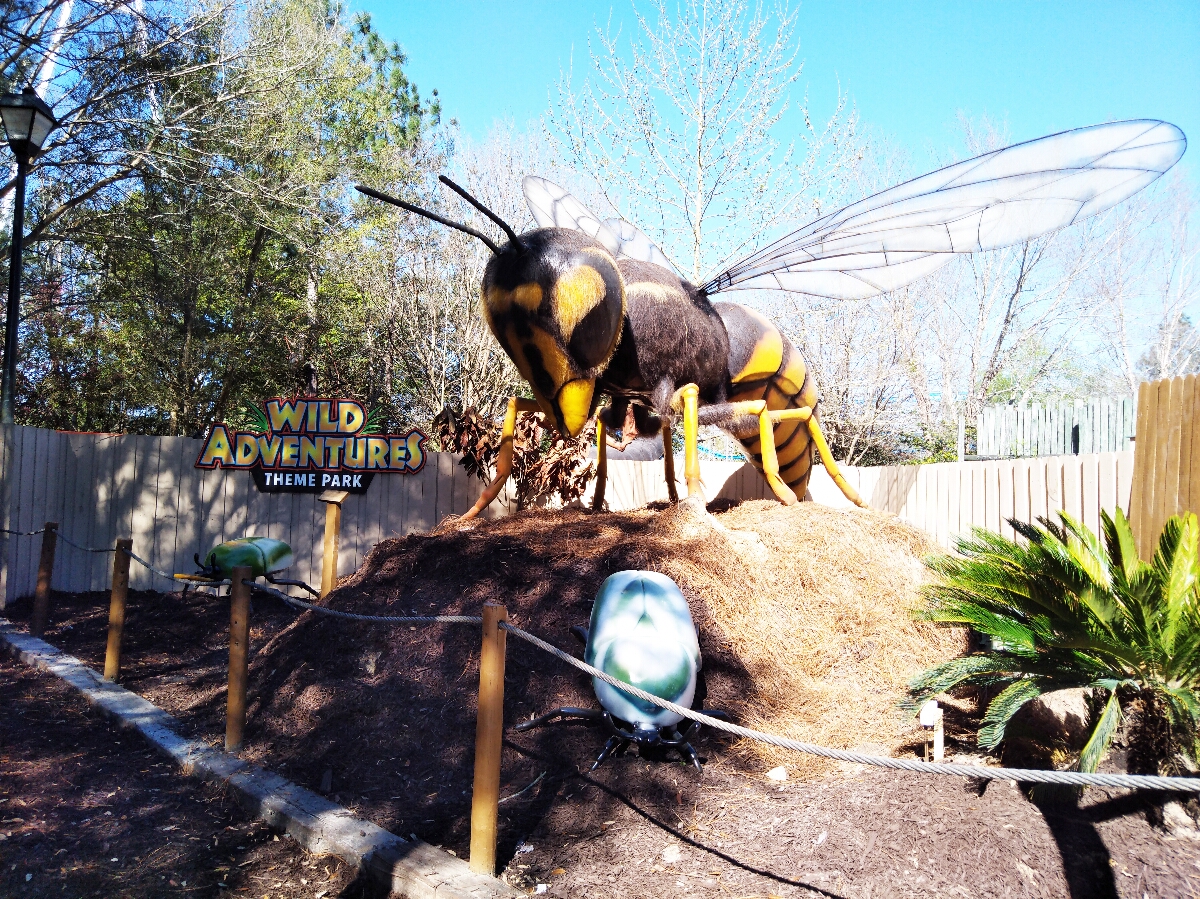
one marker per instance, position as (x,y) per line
(669,462)
(804,413)
(505,458)
(827,457)
(601,465)
(770,461)
(691,437)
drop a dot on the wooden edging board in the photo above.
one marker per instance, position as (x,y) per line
(409,868)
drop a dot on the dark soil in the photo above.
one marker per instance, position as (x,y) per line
(87,809)
(383,719)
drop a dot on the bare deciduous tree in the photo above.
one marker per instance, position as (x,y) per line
(682,134)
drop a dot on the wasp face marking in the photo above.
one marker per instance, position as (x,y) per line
(557,309)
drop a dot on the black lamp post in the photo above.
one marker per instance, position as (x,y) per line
(27,122)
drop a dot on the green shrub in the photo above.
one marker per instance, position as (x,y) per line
(1065,609)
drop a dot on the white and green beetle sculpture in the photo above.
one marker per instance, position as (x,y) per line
(641,632)
(264,556)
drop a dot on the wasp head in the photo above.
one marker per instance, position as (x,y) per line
(556,303)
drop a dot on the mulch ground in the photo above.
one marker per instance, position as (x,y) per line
(87,809)
(382,720)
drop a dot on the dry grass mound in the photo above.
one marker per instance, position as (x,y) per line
(803,611)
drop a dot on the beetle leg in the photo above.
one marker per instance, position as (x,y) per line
(615,745)
(688,754)
(580,633)
(601,466)
(505,458)
(588,715)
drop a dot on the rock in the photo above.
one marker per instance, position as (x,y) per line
(1178,822)
(1060,716)
(671,854)
(777,774)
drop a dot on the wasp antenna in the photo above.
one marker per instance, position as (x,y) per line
(433,216)
(512,235)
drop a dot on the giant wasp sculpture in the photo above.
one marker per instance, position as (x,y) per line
(587,309)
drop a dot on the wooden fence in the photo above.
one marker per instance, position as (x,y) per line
(948,499)
(1167,466)
(101,487)
(1099,425)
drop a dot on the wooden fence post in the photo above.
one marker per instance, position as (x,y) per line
(489,730)
(333,500)
(239,652)
(116,609)
(41,596)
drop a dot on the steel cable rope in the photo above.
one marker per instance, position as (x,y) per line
(22,533)
(353,616)
(87,549)
(1025,775)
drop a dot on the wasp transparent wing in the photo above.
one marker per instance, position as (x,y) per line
(635,244)
(553,207)
(995,200)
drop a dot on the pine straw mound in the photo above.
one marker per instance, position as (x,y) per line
(803,611)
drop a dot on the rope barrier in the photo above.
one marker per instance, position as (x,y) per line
(145,564)
(87,549)
(379,619)
(981,772)
(22,533)
(1026,775)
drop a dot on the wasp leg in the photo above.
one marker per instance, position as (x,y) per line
(686,399)
(669,462)
(505,458)
(849,492)
(614,746)
(770,461)
(565,712)
(689,395)
(601,466)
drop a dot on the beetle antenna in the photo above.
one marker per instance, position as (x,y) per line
(378,195)
(512,235)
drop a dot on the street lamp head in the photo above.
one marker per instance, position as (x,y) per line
(27,122)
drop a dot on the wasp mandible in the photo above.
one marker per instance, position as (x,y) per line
(589,309)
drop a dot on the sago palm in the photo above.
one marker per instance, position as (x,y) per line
(1066,609)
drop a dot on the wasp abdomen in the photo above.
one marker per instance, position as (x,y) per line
(764,365)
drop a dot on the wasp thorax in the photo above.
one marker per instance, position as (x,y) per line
(557,308)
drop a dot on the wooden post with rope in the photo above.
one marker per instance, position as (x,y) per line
(116,609)
(333,500)
(489,731)
(239,653)
(41,597)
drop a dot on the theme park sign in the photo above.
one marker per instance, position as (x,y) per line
(311,445)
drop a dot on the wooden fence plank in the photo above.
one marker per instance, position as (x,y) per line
(1162,430)
(1167,499)
(1186,442)
(143,496)
(1089,494)
(1193,499)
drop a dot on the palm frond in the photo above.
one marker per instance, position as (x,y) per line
(1102,734)
(1001,709)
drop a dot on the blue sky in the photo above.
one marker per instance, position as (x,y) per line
(909,67)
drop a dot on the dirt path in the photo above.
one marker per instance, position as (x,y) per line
(396,749)
(89,810)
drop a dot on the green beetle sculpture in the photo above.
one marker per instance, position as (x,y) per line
(641,632)
(264,556)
